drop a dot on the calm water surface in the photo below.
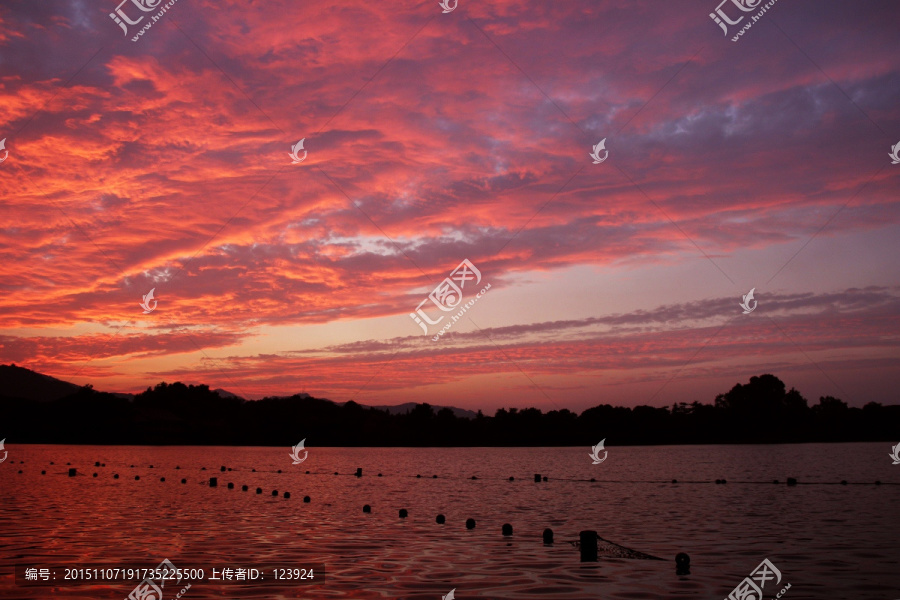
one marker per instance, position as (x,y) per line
(828,540)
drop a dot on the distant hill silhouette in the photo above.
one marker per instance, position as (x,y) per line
(760,411)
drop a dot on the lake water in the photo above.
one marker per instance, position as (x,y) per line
(827,540)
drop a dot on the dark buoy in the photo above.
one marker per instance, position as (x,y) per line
(229,468)
(512,478)
(43,472)
(259,490)
(548,536)
(434,476)
(184,481)
(418,477)
(537,477)
(102,464)
(162,478)
(843,482)
(545,478)
(95,474)
(279,470)
(20,471)
(116,476)
(593,480)
(287,495)
(877,482)
(230,486)
(202,468)
(213,481)
(274,492)
(359,471)
(791,481)
(506,529)
(177,467)
(440,519)
(775,481)
(335,472)
(137,477)
(470,523)
(244,488)
(51,462)
(151,466)
(253,470)
(379,474)
(674,481)
(682,564)
(403,513)
(97,464)
(73,472)
(367,508)
(588,546)
(222,469)
(307,472)
(306,499)
(473,477)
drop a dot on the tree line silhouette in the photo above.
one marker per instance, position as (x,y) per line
(760,411)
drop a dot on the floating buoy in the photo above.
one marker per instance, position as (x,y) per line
(244,488)
(151,466)
(470,523)
(367,508)
(843,482)
(274,492)
(213,481)
(51,462)
(379,474)
(162,478)
(403,513)
(230,486)
(73,472)
(673,481)
(279,470)
(506,529)
(229,468)
(184,481)
(287,494)
(545,478)
(223,469)
(97,464)
(177,467)
(418,477)
(593,480)
(434,476)
(359,471)
(588,545)
(335,472)
(440,519)
(102,464)
(137,477)
(202,468)
(259,490)
(253,470)
(473,477)
(548,536)
(877,482)
(95,474)
(307,472)
(775,481)
(116,476)
(791,481)
(512,478)
(682,564)
(537,477)
(306,499)
(43,472)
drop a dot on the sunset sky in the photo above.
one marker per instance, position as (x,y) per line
(433,138)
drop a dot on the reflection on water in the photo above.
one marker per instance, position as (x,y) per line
(829,541)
